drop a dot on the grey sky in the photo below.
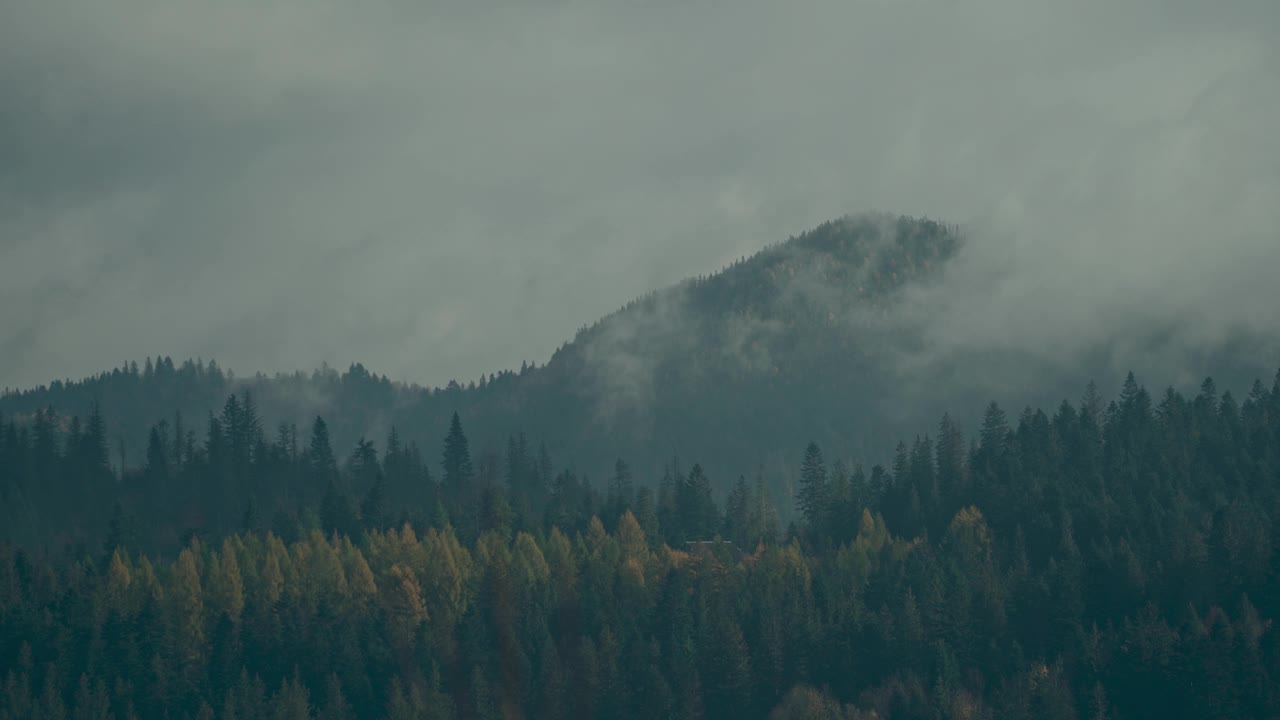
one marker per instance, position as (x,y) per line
(442,188)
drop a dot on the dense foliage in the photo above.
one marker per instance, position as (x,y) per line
(1102,561)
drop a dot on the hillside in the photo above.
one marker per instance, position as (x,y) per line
(1101,558)
(815,338)
(740,366)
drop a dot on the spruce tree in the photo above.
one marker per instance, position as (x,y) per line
(812,497)
(320,452)
(456,459)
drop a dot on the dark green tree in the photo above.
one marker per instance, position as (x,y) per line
(811,499)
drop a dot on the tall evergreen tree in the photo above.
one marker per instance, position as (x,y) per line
(813,494)
(456,460)
(697,510)
(320,459)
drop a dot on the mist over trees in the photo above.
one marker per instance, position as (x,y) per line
(755,494)
(1106,559)
(788,345)
(820,338)
(458,361)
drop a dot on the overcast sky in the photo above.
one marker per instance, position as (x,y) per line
(442,188)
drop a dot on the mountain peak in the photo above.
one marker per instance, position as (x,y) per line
(743,363)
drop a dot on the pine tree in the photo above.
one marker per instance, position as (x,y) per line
(121,531)
(812,498)
(727,671)
(94,444)
(186,613)
(373,508)
(456,459)
(156,469)
(366,472)
(516,470)
(926,497)
(404,609)
(697,509)
(494,512)
(320,458)
(953,474)
(737,520)
(335,706)
(399,703)
(621,491)
(291,701)
(51,705)
(545,471)
(482,697)
(995,430)
(764,517)
(646,512)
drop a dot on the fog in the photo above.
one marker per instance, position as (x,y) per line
(443,189)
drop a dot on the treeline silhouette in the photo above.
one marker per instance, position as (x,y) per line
(1106,560)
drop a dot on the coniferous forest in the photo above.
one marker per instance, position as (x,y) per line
(1105,558)
(507,360)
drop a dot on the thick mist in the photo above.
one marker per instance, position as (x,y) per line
(441,189)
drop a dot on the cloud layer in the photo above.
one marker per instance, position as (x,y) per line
(441,189)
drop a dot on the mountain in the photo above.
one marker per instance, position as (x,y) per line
(738,366)
(813,339)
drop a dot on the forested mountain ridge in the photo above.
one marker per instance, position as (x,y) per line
(1103,559)
(740,367)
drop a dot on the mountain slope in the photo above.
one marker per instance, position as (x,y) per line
(822,337)
(734,369)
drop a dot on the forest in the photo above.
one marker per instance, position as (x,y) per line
(504,360)
(1105,559)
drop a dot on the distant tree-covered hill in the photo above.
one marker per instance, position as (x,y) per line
(662,516)
(771,351)
(805,340)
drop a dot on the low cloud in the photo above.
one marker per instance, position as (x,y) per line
(442,189)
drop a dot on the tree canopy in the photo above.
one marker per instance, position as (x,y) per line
(1102,561)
